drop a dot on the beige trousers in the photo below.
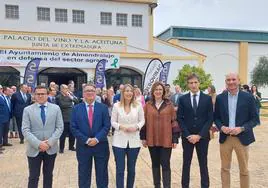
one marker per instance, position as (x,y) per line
(226,149)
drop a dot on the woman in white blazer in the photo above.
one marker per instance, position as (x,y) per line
(127,120)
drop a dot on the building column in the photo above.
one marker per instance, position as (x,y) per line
(243,62)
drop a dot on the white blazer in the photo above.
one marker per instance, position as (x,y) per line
(133,119)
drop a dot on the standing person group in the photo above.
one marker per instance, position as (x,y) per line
(157,125)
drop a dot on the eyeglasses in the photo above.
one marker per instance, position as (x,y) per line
(40,94)
(90,91)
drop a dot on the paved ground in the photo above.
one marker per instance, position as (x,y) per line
(14,170)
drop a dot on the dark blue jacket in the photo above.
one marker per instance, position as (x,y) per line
(18,104)
(246,116)
(198,123)
(80,124)
(5,113)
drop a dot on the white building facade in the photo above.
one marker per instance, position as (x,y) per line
(226,50)
(70,36)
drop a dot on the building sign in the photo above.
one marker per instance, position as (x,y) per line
(47,41)
(20,58)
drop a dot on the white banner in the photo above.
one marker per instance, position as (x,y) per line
(51,41)
(20,58)
(152,74)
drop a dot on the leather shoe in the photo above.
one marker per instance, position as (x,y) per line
(72,149)
(61,151)
(22,142)
(7,144)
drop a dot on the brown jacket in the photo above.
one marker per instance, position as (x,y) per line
(160,125)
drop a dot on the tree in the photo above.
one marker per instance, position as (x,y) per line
(259,75)
(181,79)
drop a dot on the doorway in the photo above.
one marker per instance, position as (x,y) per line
(115,77)
(62,76)
(9,76)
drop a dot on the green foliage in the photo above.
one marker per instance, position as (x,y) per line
(181,79)
(259,75)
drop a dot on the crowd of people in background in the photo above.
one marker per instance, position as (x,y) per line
(154,119)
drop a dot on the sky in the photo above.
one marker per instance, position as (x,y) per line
(233,14)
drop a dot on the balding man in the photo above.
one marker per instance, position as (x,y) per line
(235,116)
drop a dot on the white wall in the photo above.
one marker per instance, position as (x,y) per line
(28,18)
(222,57)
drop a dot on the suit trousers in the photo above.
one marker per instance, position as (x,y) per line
(85,155)
(5,132)
(119,155)
(67,132)
(202,152)
(233,143)
(35,166)
(19,122)
(1,134)
(160,156)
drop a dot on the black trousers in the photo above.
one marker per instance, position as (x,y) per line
(202,152)
(35,166)
(160,157)
(67,132)
(5,132)
(19,122)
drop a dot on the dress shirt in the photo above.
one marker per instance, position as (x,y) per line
(87,107)
(135,118)
(44,108)
(232,104)
(197,97)
(24,96)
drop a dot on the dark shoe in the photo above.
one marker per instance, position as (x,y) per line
(7,144)
(156,177)
(22,142)
(166,178)
(61,151)
(72,149)
(2,149)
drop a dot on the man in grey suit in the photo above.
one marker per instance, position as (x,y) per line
(42,127)
(175,97)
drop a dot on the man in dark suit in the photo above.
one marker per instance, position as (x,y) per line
(19,101)
(195,116)
(90,124)
(5,115)
(235,116)
(6,97)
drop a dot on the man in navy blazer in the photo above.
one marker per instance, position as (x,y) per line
(5,115)
(90,124)
(195,115)
(235,116)
(19,101)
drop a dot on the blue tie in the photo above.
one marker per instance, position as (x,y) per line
(43,114)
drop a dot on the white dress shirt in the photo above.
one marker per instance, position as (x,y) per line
(197,97)
(135,118)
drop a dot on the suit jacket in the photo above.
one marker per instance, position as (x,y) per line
(18,104)
(34,131)
(80,125)
(246,116)
(195,123)
(5,113)
(173,99)
(135,118)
